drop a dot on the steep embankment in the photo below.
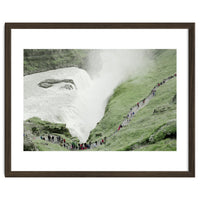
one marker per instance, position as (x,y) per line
(35,129)
(41,60)
(154,126)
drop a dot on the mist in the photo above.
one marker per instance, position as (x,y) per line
(119,64)
(83,108)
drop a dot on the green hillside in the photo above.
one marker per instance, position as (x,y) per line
(40,60)
(35,129)
(154,126)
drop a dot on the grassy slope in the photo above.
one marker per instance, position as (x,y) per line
(45,128)
(40,60)
(145,123)
(42,145)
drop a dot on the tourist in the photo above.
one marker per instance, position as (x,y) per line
(81,146)
(154,92)
(73,145)
(120,126)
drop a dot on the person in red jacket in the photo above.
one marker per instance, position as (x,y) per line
(120,126)
(138,105)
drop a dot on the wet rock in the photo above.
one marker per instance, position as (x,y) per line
(50,82)
(68,87)
(45,85)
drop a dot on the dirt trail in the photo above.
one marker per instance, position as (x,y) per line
(141,104)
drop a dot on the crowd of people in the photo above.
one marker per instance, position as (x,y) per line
(73,145)
(82,146)
(142,102)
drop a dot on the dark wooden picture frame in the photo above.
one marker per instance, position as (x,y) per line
(191,99)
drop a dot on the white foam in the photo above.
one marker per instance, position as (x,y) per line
(80,109)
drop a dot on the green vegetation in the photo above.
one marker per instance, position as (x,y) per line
(40,60)
(34,128)
(154,126)
(163,145)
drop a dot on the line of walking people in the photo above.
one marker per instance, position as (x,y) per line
(130,115)
(142,102)
(73,145)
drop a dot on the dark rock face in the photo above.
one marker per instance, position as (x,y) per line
(49,128)
(167,130)
(50,82)
(38,126)
(174,99)
(161,109)
(29,146)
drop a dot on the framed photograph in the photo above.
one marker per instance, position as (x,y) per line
(99,99)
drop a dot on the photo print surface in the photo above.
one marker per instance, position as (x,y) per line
(99,100)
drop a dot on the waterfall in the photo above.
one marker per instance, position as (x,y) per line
(83,106)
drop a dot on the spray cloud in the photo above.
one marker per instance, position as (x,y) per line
(81,109)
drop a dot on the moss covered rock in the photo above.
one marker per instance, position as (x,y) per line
(168,130)
(38,126)
(29,145)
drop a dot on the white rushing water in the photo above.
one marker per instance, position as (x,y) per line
(81,108)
